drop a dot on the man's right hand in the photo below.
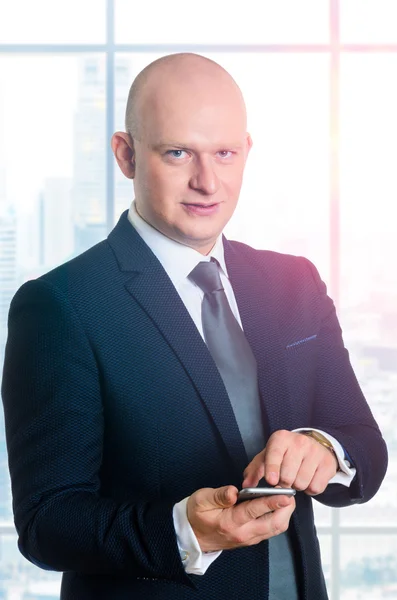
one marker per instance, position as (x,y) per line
(221,524)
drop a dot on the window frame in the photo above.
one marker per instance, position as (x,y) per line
(334,49)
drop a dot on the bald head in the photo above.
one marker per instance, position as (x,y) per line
(185,148)
(175,74)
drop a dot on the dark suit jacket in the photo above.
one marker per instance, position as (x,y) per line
(115,411)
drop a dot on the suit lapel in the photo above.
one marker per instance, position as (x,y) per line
(254,289)
(151,287)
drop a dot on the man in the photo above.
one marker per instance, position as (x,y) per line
(150,378)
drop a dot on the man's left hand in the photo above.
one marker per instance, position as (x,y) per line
(292,460)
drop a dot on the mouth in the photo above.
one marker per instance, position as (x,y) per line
(199,208)
(200,204)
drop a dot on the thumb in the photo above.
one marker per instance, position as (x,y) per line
(225,496)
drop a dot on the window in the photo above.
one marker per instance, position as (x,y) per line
(48,22)
(318,79)
(230,22)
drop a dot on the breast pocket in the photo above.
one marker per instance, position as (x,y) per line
(301,342)
(301,367)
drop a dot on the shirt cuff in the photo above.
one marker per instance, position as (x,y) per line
(193,559)
(346,474)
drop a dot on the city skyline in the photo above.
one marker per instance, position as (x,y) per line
(362,327)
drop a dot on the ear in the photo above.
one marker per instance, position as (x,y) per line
(248,146)
(123,150)
(249,143)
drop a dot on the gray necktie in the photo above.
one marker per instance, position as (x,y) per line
(232,355)
(237,366)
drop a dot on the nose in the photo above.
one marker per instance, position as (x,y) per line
(204,179)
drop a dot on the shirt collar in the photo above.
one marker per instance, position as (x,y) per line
(177,259)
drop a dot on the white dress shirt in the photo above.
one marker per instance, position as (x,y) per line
(178,261)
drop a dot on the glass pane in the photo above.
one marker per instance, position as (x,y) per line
(222,22)
(52,206)
(368,567)
(322,514)
(20,580)
(52,203)
(5,487)
(284,199)
(369,250)
(372,21)
(49,22)
(326,557)
(57,196)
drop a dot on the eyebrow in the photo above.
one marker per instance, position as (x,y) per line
(178,145)
(169,144)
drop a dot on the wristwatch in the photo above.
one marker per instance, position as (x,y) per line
(320,438)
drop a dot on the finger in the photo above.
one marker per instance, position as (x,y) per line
(290,466)
(209,498)
(320,480)
(317,468)
(255,471)
(305,474)
(225,496)
(250,510)
(274,455)
(270,524)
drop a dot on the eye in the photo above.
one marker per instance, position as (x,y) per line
(225,153)
(176,153)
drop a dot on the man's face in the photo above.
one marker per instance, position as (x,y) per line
(189,164)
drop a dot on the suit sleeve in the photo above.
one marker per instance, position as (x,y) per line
(54,426)
(341,410)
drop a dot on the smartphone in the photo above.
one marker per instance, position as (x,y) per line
(258,492)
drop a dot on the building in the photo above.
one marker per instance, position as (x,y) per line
(8,285)
(90,144)
(56,229)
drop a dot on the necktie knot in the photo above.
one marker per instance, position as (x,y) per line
(206,276)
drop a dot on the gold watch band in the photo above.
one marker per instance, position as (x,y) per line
(320,438)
